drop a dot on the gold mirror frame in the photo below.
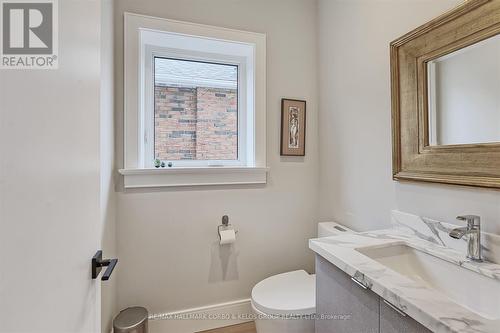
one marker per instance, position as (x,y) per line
(413,158)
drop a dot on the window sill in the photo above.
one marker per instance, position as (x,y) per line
(198,176)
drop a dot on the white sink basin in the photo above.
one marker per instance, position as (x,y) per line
(466,288)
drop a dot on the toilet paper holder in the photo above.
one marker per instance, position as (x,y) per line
(225,224)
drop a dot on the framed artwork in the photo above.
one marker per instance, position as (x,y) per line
(293,127)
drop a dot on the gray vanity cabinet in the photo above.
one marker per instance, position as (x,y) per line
(337,295)
(393,322)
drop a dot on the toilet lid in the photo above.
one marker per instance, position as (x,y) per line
(288,293)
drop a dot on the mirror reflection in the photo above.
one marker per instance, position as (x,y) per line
(464,95)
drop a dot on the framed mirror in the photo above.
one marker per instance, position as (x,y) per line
(445,78)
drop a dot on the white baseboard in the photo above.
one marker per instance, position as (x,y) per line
(202,318)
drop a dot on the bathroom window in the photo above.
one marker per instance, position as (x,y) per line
(195,106)
(196,113)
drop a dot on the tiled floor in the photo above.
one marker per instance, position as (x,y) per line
(242,328)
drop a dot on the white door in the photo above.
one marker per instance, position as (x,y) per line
(49,184)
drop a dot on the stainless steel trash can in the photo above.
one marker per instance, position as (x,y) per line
(131,320)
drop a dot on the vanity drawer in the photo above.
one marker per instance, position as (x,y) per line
(393,322)
(337,294)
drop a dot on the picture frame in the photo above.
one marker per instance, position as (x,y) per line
(293,127)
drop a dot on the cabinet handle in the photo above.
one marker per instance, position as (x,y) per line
(395,308)
(359,283)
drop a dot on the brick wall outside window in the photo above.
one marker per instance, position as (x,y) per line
(196,123)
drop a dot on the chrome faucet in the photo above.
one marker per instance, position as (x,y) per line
(473,231)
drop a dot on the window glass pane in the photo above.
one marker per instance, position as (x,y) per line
(196,110)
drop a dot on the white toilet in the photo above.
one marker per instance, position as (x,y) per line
(286,303)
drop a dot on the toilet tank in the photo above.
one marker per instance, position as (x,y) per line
(326,229)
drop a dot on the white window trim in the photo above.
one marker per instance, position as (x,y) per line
(136,172)
(175,177)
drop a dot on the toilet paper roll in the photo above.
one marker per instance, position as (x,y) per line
(227,236)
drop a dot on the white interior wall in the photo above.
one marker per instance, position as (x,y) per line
(355,120)
(167,239)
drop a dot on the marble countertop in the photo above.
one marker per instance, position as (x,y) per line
(430,308)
